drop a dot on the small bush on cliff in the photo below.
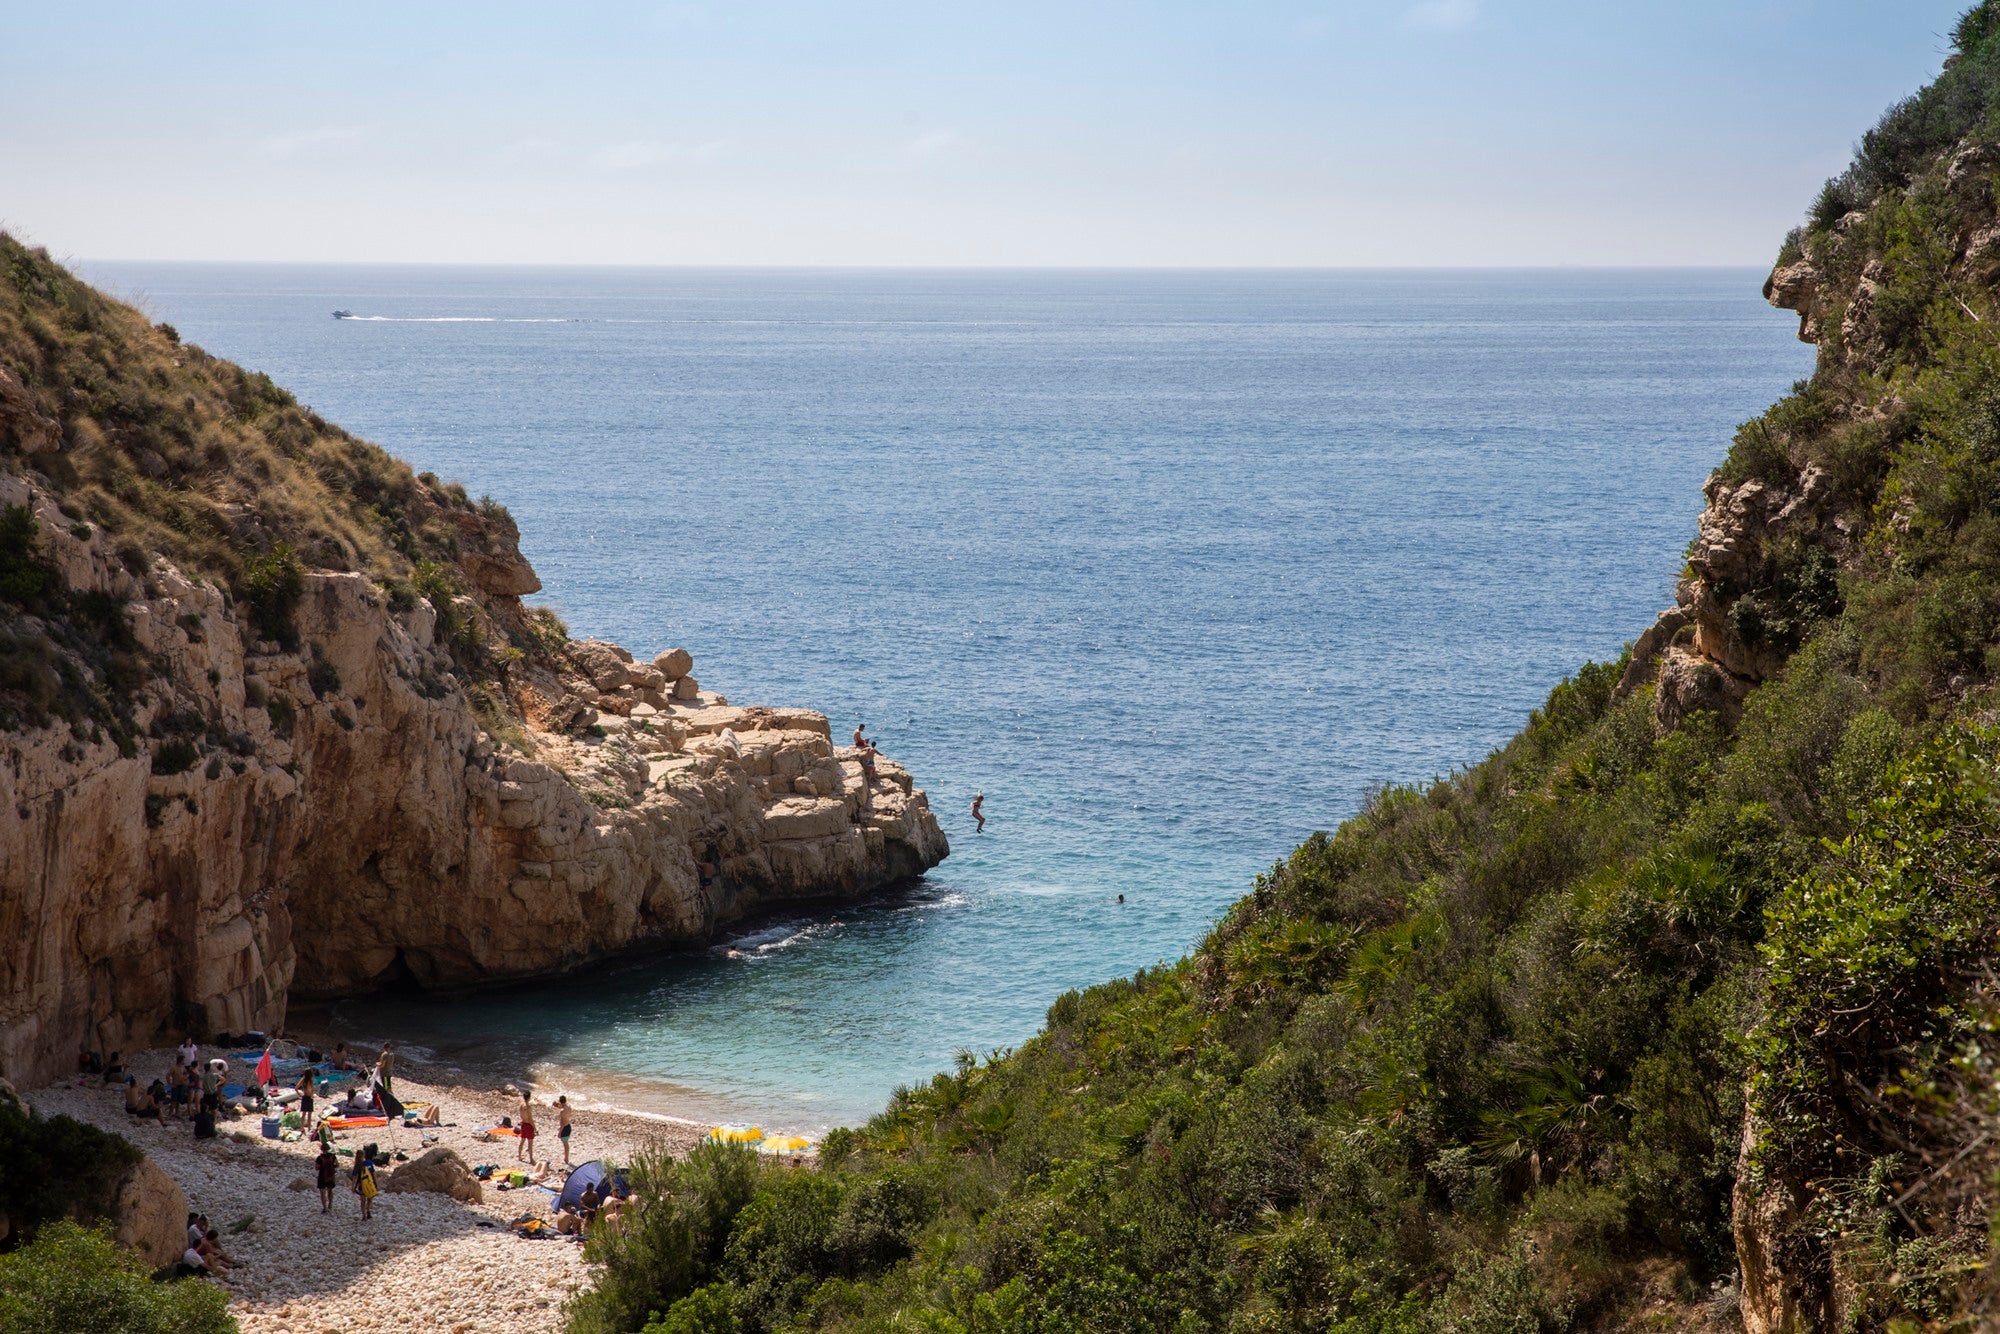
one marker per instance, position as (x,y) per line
(24,578)
(71,1279)
(272,586)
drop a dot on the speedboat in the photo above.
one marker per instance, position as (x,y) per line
(343,314)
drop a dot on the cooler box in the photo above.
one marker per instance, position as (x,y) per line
(272,1125)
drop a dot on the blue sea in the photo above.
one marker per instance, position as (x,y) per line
(1176,567)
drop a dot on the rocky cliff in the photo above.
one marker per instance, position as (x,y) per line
(232,774)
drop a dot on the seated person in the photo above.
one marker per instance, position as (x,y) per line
(114,1069)
(89,1062)
(211,1252)
(568,1223)
(134,1095)
(587,1206)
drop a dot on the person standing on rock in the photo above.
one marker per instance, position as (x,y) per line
(525,1144)
(328,1168)
(978,814)
(562,1124)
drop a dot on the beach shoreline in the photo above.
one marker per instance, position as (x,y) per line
(425,1261)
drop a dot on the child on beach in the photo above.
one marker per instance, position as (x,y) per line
(364,1181)
(328,1167)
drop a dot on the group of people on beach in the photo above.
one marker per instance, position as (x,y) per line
(204,1254)
(190,1088)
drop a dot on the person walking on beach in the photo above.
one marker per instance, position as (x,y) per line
(978,814)
(364,1181)
(525,1147)
(328,1167)
(562,1124)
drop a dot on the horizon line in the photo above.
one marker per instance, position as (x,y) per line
(73,260)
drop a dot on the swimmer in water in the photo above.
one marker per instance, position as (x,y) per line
(977,814)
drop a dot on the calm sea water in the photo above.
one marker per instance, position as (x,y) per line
(1175,567)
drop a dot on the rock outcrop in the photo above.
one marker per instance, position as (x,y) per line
(149,1214)
(438,1172)
(354,811)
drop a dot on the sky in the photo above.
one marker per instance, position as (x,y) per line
(1017,132)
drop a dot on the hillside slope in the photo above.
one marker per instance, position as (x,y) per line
(1672,1013)
(274,720)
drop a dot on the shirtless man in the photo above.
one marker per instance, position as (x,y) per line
(562,1124)
(858,740)
(524,1132)
(977,814)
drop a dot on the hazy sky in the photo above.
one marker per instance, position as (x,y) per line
(1224,132)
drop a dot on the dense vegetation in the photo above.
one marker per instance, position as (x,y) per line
(59,1176)
(71,1279)
(152,449)
(1484,1059)
(55,1167)
(177,453)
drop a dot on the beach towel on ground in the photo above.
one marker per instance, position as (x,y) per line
(355,1122)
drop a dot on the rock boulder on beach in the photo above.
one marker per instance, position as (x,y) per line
(439,1172)
(149,1214)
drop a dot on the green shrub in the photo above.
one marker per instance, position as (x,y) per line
(24,578)
(176,756)
(271,588)
(670,1242)
(72,1280)
(52,1167)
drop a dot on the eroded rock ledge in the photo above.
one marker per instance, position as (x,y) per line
(333,818)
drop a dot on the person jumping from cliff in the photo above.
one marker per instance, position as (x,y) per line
(978,814)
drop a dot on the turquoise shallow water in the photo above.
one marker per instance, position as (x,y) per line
(1174,566)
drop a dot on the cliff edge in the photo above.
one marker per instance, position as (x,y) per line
(274,721)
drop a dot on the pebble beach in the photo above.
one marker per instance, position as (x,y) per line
(424,1262)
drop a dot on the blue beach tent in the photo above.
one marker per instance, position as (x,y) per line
(596,1173)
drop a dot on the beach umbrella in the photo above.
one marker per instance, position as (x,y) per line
(736,1134)
(787,1144)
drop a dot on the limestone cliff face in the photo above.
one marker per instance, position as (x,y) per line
(338,816)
